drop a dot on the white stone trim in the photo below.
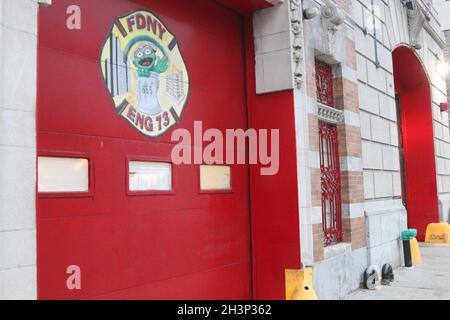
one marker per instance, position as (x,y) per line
(374,207)
(346,73)
(45,2)
(316,215)
(302,106)
(18,71)
(312,105)
(314,159)
(352,210)
(444,207)
(272,2)
(272,33)
(337,249)
(329,114)
(350,163)
(352,118)
(434,35)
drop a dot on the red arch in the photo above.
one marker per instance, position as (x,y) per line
(413,87)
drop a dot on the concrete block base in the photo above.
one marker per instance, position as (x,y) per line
(336,277)
(444,208)
(383,229)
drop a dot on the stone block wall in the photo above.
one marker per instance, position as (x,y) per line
(382,181)
(383,229)
(444,197)
(18,51)
(377,96)
(338,268)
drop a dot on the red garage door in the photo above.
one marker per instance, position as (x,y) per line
(110,202)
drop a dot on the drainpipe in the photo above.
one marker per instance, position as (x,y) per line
(377,62)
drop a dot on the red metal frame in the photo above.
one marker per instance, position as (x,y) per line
(74,155)
(148,192)
(324,83)
(331,183)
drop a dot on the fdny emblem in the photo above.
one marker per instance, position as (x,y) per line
(144,72)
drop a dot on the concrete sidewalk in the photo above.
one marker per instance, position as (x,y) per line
(427,281)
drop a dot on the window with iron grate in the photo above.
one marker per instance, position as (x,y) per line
(324,83)
(329,160)
(330,183)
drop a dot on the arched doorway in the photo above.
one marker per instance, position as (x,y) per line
(416,140)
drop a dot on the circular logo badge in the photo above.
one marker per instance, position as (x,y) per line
(144,72)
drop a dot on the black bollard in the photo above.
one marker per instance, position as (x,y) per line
(407,253)
(406,237)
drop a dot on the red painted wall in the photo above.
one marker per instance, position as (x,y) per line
(274,199)
(413,86)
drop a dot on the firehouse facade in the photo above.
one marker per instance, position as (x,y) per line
(92,206)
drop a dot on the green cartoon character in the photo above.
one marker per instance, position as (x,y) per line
(149,66)
(146,61)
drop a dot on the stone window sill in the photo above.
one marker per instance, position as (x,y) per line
(337,249)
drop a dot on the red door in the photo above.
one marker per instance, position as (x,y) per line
(179,244)
(418,161)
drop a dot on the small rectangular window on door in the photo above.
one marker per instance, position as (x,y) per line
(215,178)
(57,175)
(146,176)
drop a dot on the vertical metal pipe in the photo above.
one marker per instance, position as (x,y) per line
(407,253)
(377,62)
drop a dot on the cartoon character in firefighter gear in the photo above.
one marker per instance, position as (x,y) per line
(149,67)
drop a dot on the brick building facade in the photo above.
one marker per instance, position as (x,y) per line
(444,8)
(357,41)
